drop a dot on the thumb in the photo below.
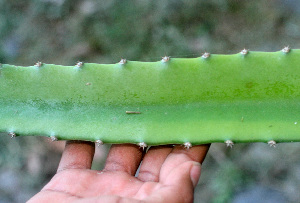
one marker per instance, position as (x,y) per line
(181,181)
(195,173)
(187,173)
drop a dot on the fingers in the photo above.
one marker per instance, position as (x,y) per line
(179,157)
(124,157)
(180,173)
(152,163)
(154,159)
(179,184)
(77,155)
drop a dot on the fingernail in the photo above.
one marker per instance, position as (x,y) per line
(195,173)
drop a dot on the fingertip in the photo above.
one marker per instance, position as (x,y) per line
(183,179)
(195,173)
(152,163)
(77,155)
(182,174)
(124,157)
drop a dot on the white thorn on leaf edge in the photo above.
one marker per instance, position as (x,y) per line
(205,55)
(165,59)
(53,138)
(272,143)
(244,52)
(12,135)
(187,145)
(79,64)
(229,143)
(286,49)
(99,143)
(142,145)
(122,61)
(38,64)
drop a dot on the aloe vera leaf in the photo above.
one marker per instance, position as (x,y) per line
(243,98)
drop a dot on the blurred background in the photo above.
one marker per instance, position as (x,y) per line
(67,31)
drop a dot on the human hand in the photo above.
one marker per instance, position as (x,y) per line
(167,174)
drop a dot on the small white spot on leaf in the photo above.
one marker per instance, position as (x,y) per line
(205,55)
(244,52)
(142,145)
(99,143)
(165,59)
(12,134)
(229,143)
(272,143)
(286,49)
(79,64)
(187,145)
(122,61)
(53,138)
